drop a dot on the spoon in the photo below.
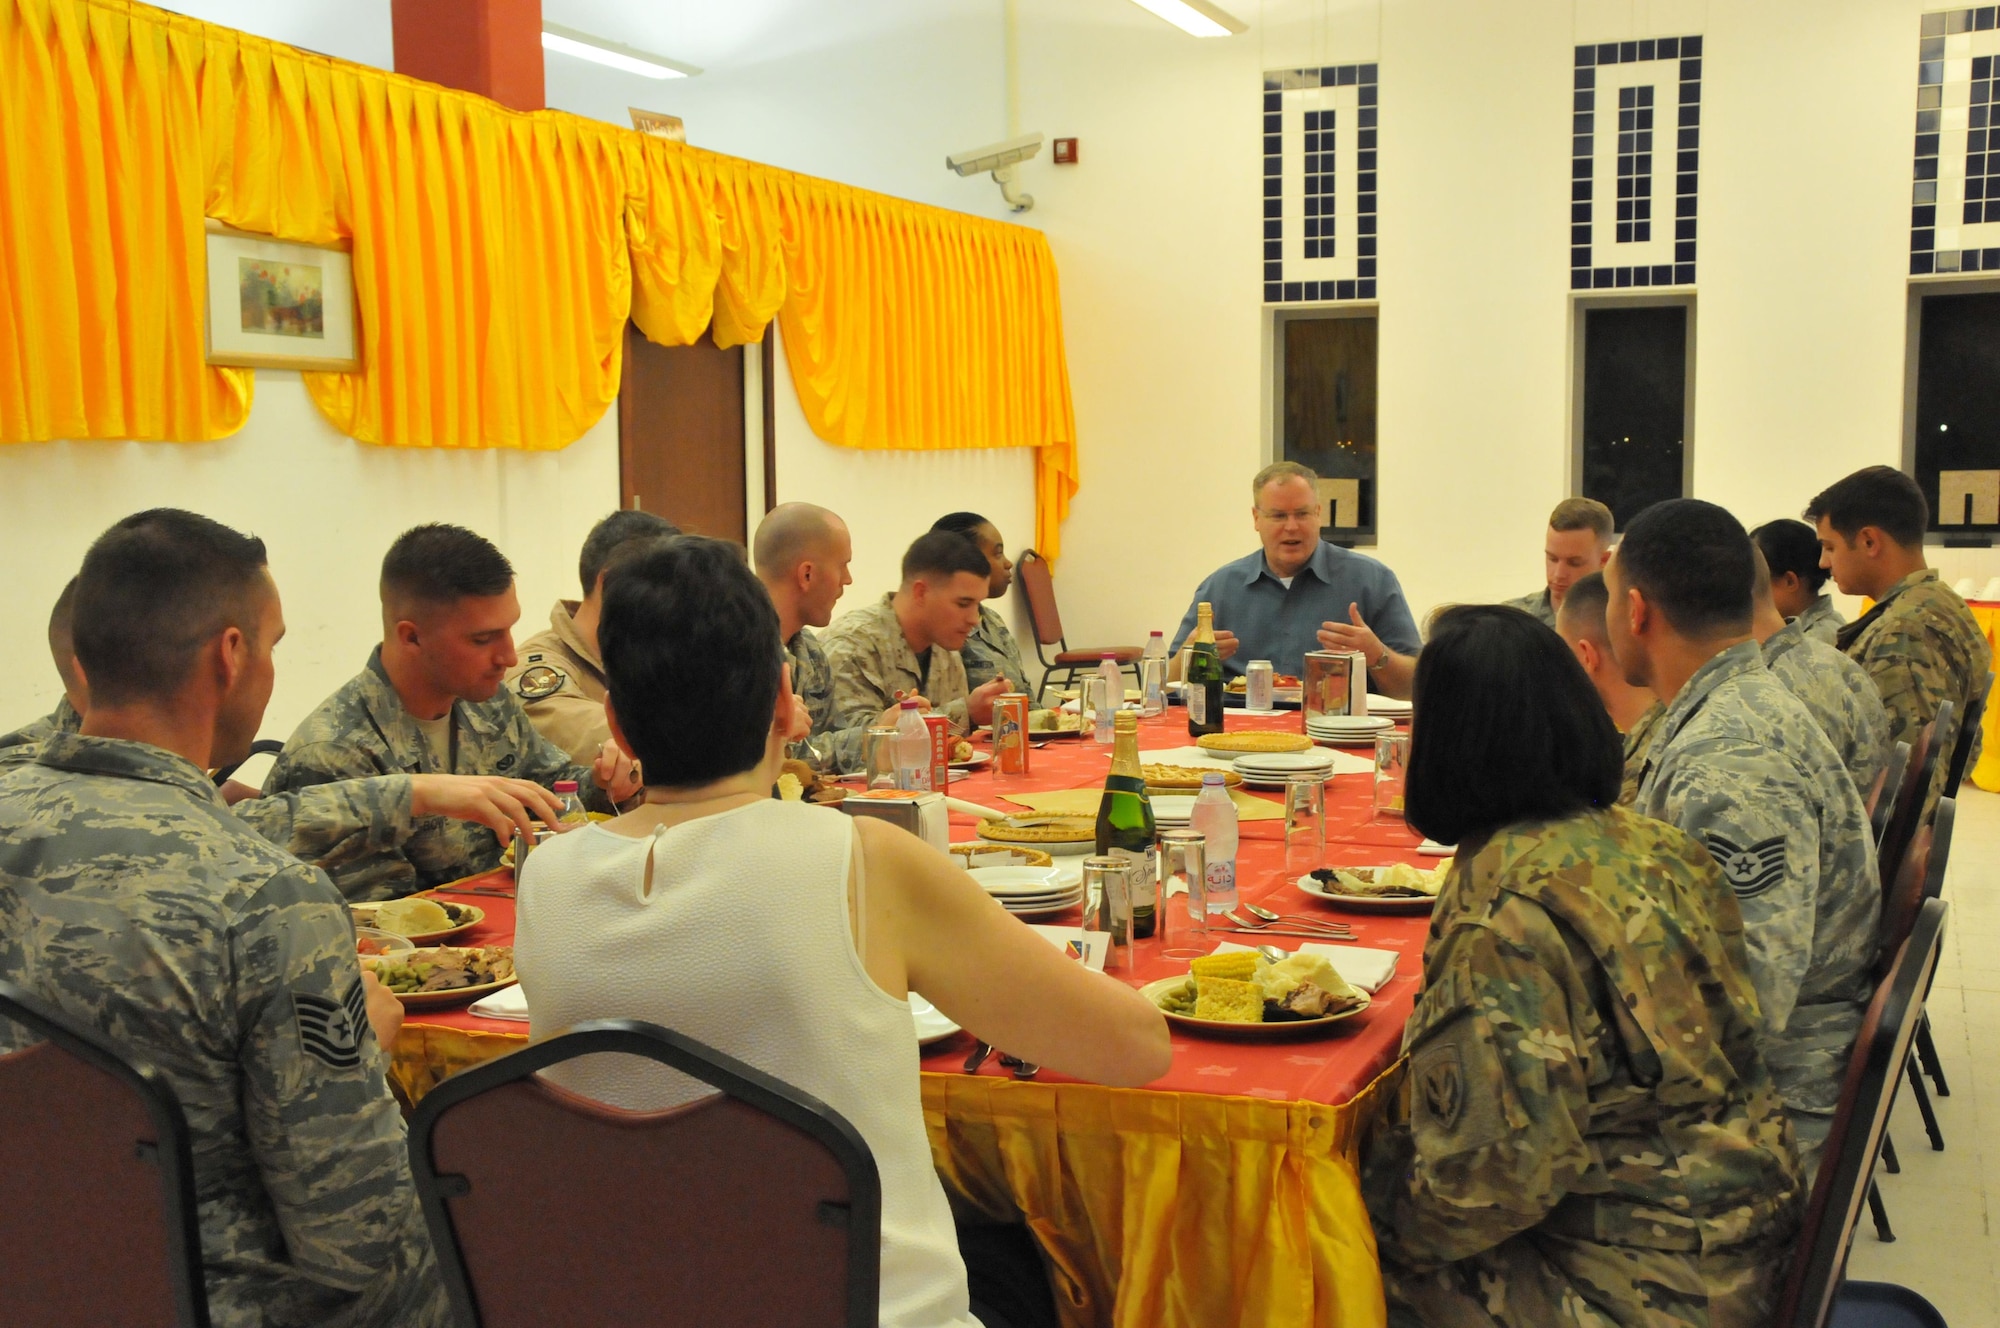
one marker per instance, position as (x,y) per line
(1307,928)
(977,1057)
(1274,954)
(1269,916)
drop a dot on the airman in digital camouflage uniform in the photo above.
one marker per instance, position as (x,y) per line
(18,747)
(559,677)
(907,643)
(431,701)
(1577,543)
(1635,710)
(1638,745)
(1740,764)
(134,902)
(1587,1134)
(1791,549)
(991,651)
(1833,687)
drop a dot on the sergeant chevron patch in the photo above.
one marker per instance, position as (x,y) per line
(329,1030)
(1753,870)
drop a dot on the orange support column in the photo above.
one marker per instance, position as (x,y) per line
(491,47)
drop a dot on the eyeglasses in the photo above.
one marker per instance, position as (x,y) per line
(1284,518)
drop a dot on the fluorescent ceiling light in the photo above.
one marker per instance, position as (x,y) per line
(568,41)
(1196,17)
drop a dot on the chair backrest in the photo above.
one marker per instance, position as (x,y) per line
(1847,1164)
(1888,785)
(1038,588)
(759,1204)
(1909,810)
(97,1210)
(1943,822)
(1968,733)
(1904,897)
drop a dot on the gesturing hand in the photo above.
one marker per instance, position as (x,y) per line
(1352,635)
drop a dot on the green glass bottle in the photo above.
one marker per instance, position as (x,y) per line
(1125,823)
(1204,676)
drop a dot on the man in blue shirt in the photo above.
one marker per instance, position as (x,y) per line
(1299,593)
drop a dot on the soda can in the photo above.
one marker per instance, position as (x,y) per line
(1010,733)
(941,742)
(1257,685)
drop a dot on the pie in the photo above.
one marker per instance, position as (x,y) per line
(1254,742)
(986,855)
(1054,830)
(1181,778)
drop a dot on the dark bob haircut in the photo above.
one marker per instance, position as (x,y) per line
(1792,546)
(155,589)
(622,527)
(1508,729)
(439,563)
(1694,562)
(692,656)
(1878,496)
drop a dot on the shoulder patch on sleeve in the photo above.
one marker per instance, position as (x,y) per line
(330,1031)
(1753,869)
(541,681)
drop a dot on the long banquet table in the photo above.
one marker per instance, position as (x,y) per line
(1225,1193)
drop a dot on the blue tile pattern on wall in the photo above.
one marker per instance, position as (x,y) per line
(1641,170)
(1955,190)
(1301,131)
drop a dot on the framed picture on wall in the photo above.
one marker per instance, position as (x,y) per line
(276,304)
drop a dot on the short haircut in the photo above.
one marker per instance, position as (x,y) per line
(1584,514)
(1692,562)
(944,553)
(621,527)
(1508,729)
(442,564)
(1760,577)
(1792,546)
(788,534)
(1582,610)
(961,523)
(1283,470)
(1879,496)
(154,590)
(692,657)
(62,634)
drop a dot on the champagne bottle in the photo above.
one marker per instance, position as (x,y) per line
(1204,676)
(1125,822)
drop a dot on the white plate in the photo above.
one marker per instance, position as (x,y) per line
(1073,848)
(976,760)
(1367,723)
(1172,808)
(1042,903)
(1282,762)
(931,1024)
(1003,881)
(1367,903)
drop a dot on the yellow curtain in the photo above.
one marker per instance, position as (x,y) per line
(496,257)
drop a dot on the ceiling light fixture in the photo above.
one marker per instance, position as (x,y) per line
(1197,18)
(568,41)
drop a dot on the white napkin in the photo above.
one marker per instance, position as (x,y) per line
(506,1003)
(1091,942)
(1367,969)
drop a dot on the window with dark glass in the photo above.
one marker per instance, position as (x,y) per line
(1634,405)
(1326,415)
(1956,457)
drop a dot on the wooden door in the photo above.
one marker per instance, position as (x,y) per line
(681,435)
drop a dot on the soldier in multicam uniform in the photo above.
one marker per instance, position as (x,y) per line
(1919,643)
(1577,543)
(1740,764)
(448,609)
(132,901)
(1587,1133)
(1791,549)
(559,677)
(1635,710)
(1835,689)
(907,643)
(991,651)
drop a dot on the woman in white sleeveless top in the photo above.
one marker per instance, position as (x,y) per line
(785,934)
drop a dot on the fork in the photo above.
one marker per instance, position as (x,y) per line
(1307,925)
(1296,920)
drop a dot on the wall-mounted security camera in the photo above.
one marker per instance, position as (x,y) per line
(1000,159)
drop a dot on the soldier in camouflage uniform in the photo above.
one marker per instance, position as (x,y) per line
(1576,545)
(18,747)
(907,643)
(1792,553)
(1635,710)
(1833,687)
(1638,746)
(1587,1134)
(991,651)
(1919,642)
(135,903)
(1740,764)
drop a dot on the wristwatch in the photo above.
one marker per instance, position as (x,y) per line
(1380,661)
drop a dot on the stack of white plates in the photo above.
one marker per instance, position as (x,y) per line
(1388,705)
(1272,769)
(1348,730)
(1172,810)
(1030,891)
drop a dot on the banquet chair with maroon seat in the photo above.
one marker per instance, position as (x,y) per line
(1943,822)
(1968,733)
(1907,813)
(1847,1164)
(1038,591)
(1887,785)
(97,1208)
(754,1204)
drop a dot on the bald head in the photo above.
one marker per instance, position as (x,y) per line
(801,553)
(791,533)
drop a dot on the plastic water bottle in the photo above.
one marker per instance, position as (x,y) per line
(1153,676)
(1215,817)
(1111,689)
(913,749)
(572,806)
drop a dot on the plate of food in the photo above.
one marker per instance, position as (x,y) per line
(369,941)
(1242,994)
(1399,888)
(1047,724)
(1063,836)
(423,920)
(799,782)
(972,760)
(444,974)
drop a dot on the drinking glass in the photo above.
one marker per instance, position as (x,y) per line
(1152,687)
(1305,823)
(1107,907)
(880,749)
(1184,863)
(1392,773)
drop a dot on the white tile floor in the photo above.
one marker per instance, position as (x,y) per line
(1944,1206)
